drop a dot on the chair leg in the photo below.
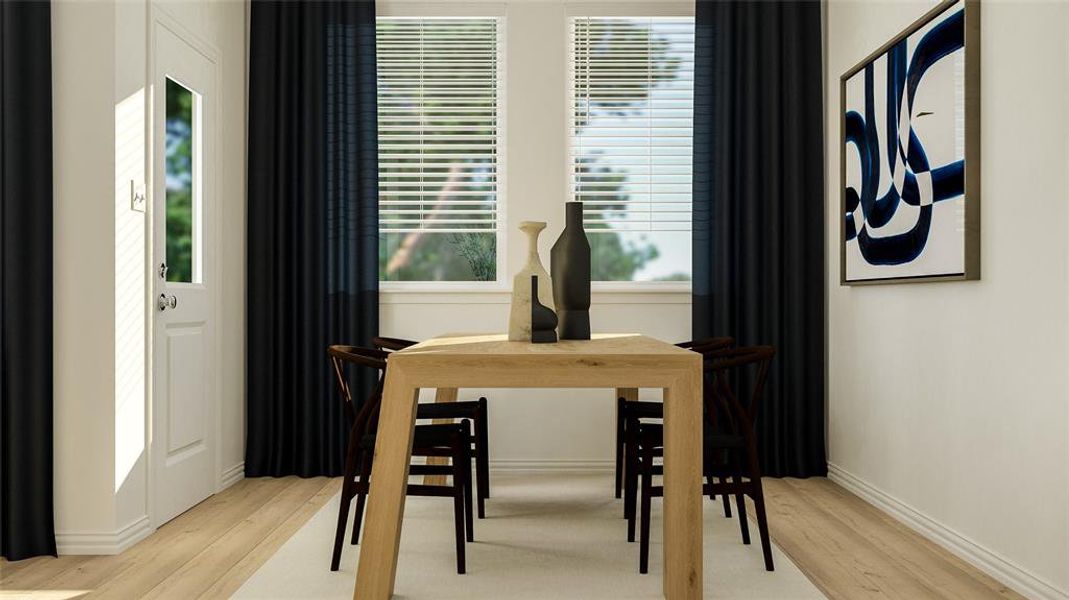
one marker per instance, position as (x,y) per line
(458,512)
(709,480)
(619,446)
(740,503)
(762,526)
(343,520)
(361,497)
(644,535)
(727,501)
(625,472)
(358,517)
(631,470)
(469,521)
(482,453)
(758,495)
(352,455)
(480,500)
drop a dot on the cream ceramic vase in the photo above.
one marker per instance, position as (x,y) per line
(520,315)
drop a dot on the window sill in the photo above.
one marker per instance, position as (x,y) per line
(443,287)
(645,287)
(464,292)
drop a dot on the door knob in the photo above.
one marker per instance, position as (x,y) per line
(166,302)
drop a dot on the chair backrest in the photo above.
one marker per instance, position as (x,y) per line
(745,364)
(707,345)
(393,344)
(340,356)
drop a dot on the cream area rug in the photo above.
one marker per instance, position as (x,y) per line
(545,536)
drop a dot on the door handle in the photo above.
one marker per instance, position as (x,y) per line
(164,302)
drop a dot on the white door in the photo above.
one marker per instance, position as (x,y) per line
(183,404)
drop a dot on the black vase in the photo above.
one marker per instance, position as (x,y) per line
(543,321)
(569,265)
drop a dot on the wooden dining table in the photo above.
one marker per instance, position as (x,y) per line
(624,362)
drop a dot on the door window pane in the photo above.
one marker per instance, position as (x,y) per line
(179,168)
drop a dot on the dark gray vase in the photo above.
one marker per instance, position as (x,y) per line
(569,265)
(543,321)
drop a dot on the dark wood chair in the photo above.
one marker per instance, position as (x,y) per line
(641,411)
(444,440)
(730,445)
(475,410)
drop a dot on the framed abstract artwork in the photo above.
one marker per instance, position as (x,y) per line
(910,154)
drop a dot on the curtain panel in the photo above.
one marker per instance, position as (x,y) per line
(26,519)
(759,209)
(312,226)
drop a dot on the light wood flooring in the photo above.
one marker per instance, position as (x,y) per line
(848,548)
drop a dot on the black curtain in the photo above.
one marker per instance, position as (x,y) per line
(312,226)
(26,524)
(759,208)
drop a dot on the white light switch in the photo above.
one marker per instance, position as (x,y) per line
(137,196)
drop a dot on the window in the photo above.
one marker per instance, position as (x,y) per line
(632,91)
(181,172)
(440,125)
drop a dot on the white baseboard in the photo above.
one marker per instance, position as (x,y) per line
(103,543)
(114,542)
(1017,578)
(552,466)
(231,476)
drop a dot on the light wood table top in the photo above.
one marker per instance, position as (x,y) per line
(616,361)
(473,344)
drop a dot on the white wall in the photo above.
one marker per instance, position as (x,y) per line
(100,72)
(538,428)
(83,185)
(949,402)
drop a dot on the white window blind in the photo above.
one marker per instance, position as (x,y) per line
(632,89)
(439,112)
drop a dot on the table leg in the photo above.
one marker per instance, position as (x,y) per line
(441,395)
(683,487)
(386,500)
